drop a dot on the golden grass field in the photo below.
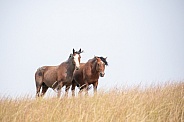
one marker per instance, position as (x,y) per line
(153,104)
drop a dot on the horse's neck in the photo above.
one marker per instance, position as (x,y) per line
(67,66)
(70,66)
(94,71)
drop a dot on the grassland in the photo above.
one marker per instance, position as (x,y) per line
(153,104)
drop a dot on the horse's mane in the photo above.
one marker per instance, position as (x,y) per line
(70,56)
(104,60)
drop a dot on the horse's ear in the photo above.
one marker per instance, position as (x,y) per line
(73,50)
(80,50)
(95,57)
(106,58)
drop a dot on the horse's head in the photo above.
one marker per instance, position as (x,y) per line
(100,65)
(76,58)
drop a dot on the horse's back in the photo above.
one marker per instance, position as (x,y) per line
(45,70)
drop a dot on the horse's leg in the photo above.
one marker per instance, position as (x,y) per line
(38,81)
(95,87)
(66,90)
(86,89)
(73,88)
(80,92)
(59,89)
(44,89)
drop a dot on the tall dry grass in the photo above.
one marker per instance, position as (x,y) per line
(154,104)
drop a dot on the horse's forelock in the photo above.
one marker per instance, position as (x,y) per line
(104,60)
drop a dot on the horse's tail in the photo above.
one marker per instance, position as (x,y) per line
(81,86)
(39,80)
(39,76)
(55,85)
(40,72)
(84,86)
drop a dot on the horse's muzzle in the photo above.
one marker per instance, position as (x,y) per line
(102,74)
(77,68)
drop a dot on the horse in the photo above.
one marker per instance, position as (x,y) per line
(56,77)
(89,73)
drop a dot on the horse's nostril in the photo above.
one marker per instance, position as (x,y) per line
(102,74)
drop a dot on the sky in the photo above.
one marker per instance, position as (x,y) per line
(142,40)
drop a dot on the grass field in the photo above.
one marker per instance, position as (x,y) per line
(153,104)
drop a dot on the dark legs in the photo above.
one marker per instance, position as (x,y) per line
(73,88)
(38,87)
(95,87)
(44,89)
(38,81)
(83,88)
(59,89)
(86,89)
(66,90)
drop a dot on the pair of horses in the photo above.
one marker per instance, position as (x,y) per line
(70,72)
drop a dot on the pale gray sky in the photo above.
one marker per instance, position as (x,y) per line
(143,40)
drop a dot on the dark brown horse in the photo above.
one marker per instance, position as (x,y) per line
(89,74)
(56,77)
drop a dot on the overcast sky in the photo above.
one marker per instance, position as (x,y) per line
(143,40)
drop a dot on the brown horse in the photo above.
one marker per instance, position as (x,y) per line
(89,74)
(56,77)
